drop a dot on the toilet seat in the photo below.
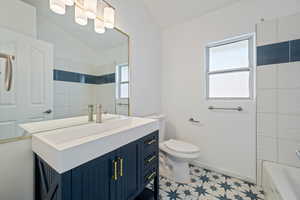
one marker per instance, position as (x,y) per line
(181,147)
(177,154)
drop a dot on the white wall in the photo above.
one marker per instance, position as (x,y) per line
(109,58)
(278,120)
(70,53)
(227,140)
(18,16)
(16,169)
(105,94)
(72,99)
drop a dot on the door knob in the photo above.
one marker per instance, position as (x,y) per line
(298,154)
(193,120)
(48,111)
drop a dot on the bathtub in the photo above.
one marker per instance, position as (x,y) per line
(281,182)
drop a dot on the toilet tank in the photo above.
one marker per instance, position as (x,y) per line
(162,124)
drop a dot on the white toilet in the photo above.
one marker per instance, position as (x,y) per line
(175,155)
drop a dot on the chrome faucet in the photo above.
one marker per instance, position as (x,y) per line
(98,113)
(91,113)
(298,154)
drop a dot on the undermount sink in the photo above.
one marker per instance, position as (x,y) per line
(66,148)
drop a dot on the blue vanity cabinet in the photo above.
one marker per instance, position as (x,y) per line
(118,175)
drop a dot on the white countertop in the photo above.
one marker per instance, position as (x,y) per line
(66,148)
(49,125)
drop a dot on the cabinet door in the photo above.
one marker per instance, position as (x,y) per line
(91,181)
(129,170)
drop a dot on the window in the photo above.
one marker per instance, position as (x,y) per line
(122,88)
(230,68)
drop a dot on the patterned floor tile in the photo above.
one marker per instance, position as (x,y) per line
(209,185)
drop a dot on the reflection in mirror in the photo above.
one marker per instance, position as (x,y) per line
(61,69)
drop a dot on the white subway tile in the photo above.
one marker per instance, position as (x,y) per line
(289,127)
(60,87)
(267,124)
(61,99)
(267,77)
(267,148)
(288,28)
(266,100)
(267,32)
(75,111)
(60,112)
(287,152)
(289,101)
(288,75)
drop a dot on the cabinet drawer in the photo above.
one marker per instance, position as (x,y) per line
(150,160)
(151,140)
(150,175)
(150,144)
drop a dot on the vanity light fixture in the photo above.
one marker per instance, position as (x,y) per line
(69,2)
(100,11)
(99,24)
(90,7)
(80,14)
(58,6)
(109,17)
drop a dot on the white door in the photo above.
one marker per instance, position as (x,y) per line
(31,92)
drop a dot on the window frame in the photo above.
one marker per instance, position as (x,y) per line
(251,56)
(119,67)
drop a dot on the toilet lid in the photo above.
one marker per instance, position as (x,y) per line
(181,146)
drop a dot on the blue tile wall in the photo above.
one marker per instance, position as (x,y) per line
(273,53)
(295,50)
(282,52)
(60,75)
(108,78)
(259,57)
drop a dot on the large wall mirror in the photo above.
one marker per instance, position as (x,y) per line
(61,70)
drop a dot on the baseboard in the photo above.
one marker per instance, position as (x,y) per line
(234,175)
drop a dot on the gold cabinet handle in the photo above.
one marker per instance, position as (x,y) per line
(115,176)
(151,159)
(151,176)
(152,142)
(121,166)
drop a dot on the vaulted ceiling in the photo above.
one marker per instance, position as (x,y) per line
(170,12)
